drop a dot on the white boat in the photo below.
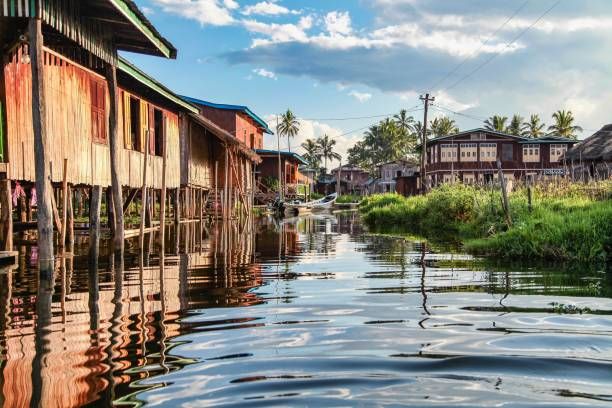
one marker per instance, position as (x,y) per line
(320,204)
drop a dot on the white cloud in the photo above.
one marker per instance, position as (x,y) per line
(337,22)
(148,11)
(269,8)
(361,96)
(205,12)
(265,73)
(310,129)
(276,33)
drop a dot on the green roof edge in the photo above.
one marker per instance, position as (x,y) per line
(127,67)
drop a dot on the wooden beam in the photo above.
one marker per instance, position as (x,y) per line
(131,195)
(70,221)
(41,157)
(144,194)
(115,151)
(162,206)
(56,218)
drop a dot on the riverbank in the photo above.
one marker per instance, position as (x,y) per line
(569,222)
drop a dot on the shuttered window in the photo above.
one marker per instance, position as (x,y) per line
(98,110)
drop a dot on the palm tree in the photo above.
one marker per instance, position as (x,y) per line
(404,122)
(534,128)
(289,126)
(564,125)
(443,126)
(497,123)
(515,125)
(312,153)
(326,146)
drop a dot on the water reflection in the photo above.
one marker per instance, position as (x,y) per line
(300,311)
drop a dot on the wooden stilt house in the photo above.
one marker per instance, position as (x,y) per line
(60,104)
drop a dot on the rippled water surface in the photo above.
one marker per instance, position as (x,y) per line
(307,312)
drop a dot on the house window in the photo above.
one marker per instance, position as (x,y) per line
(468,178)
(398,174)
(488,151)
(531,153)
(98,110)
(158,128)
(252,139)
(469,152)
(135,124)
(556,151)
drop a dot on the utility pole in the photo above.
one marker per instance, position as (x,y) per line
(427,99)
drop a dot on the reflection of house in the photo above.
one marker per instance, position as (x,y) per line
(592,157)
(353,179)
(470,156)
(238,120)
(267,170)
(389,172)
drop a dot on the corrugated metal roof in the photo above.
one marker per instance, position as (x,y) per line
(548,139)
(266,152)
(238,108)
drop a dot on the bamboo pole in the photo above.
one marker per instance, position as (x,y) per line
(144,193)
(39,122)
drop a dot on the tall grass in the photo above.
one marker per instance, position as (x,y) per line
(566,222)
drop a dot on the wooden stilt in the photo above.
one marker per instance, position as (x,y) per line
(215,190)
(115,151)
(43,188)
(56,218)
(225,187)
(162,204)
(70,221)
(176,205)
(94,214)
(6,217)
(64,203)
(144,194)
(110,213)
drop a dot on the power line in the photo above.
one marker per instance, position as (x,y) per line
(413,109)
(442,108)
(495,55)
(481,46)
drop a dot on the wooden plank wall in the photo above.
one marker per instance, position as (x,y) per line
(201,166)
(68,94)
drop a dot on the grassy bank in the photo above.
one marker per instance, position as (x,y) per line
(568,222)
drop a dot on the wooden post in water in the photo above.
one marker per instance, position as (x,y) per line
(225,190)
(115,151)
(41,158)
(216,191)
(177,206)
(62,241)
(6,204)
(143,190)
(162,209)
(502,182)
(70,222)
(94,214)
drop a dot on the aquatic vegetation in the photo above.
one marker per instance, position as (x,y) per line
(349,198)
(569,222)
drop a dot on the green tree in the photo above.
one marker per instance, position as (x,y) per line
(564,125)
(404,122)
(534,128)
(326,146)
(312,153)
(516,125)
(289,126)
(443,126)
(497,123)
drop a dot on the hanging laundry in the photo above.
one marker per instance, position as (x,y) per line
(18,192)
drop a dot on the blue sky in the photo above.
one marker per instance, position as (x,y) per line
(350,58)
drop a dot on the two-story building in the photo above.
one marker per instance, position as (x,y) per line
(389,172)
(238,120)
(353,179)
(471,157)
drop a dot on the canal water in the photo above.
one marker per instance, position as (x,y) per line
(304,312)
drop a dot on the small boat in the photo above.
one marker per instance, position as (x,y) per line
(304,208)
